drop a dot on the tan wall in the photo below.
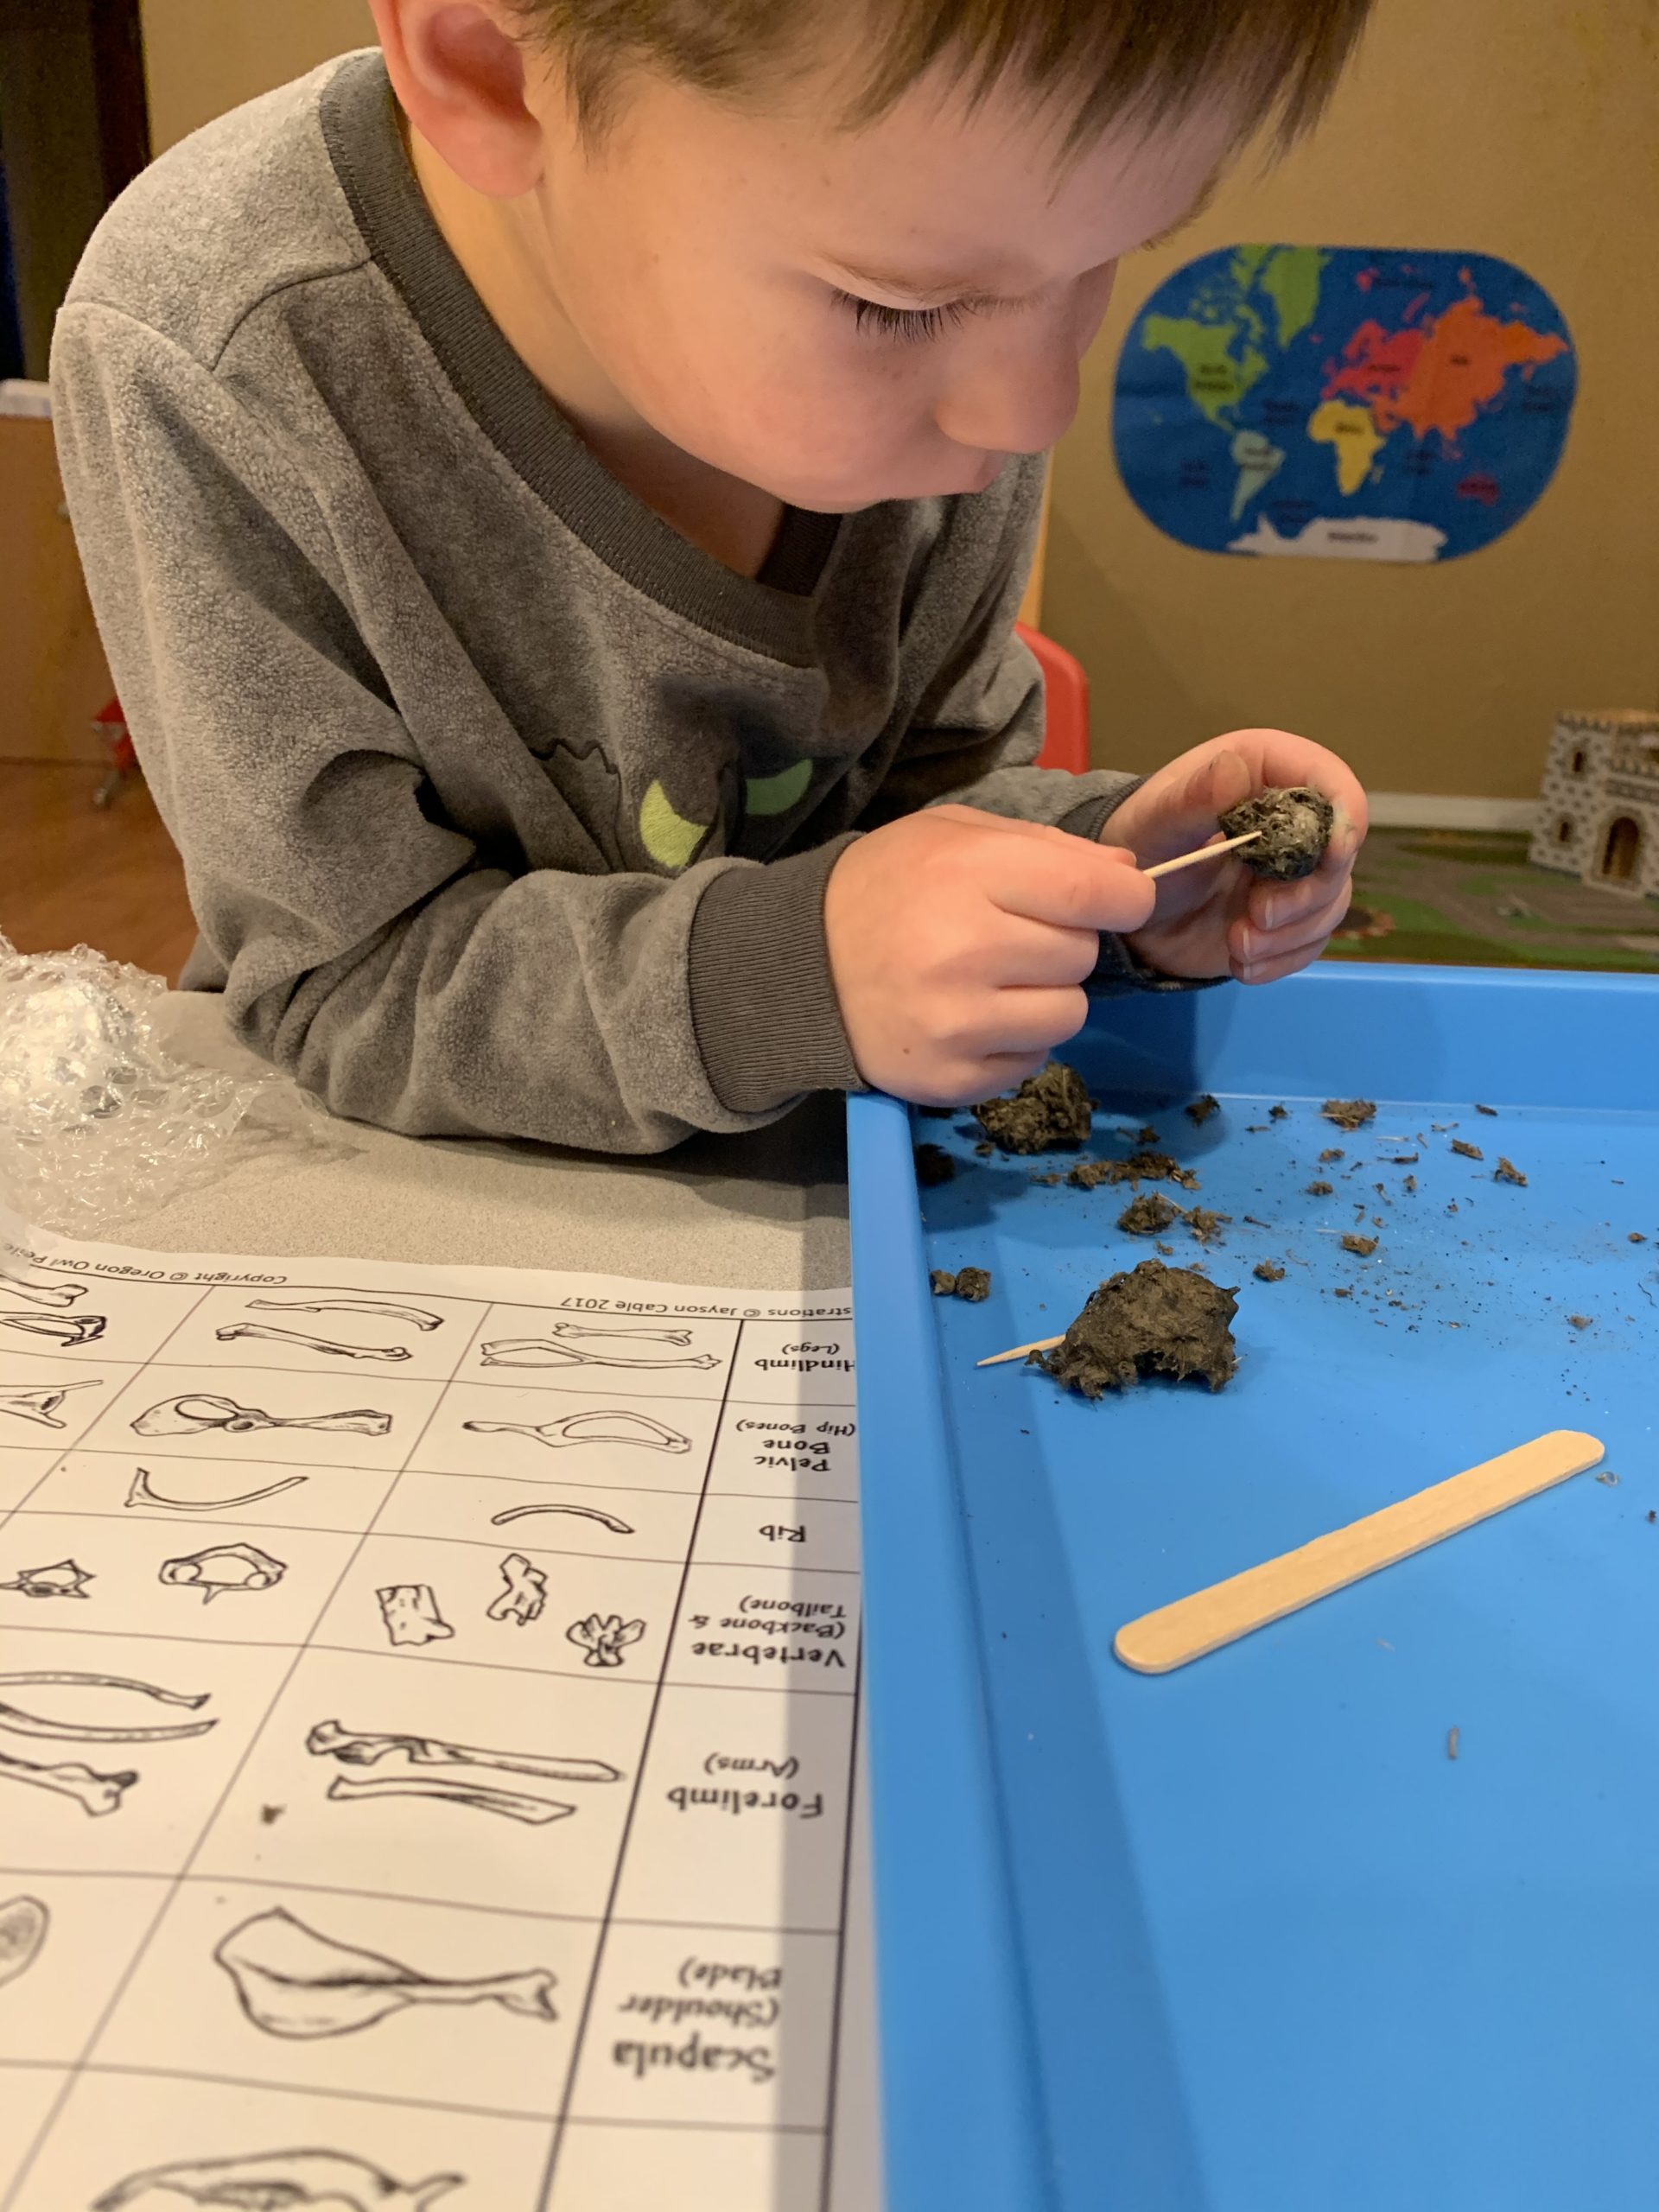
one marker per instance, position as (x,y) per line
(1521,128)
(203,56)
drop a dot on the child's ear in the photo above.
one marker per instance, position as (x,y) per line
(459,76)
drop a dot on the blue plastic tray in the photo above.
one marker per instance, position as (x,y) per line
(1244,1937)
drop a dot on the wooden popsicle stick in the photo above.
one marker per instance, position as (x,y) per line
(1203,853)
(1042,1343)
(1192,1626)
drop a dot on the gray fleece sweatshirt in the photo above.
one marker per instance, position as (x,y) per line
(505,810)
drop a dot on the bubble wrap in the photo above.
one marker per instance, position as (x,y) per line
(99,1121)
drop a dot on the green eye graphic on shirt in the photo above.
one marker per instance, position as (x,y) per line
(777,794)
(668,837)
(672,841)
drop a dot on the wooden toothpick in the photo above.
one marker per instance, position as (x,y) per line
(1203,853)
(1043,1343)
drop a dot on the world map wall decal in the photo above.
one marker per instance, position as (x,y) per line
(1342,404)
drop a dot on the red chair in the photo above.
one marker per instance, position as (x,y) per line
(1065,739)
(111,726)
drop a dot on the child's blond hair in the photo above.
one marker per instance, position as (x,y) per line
(1088,62)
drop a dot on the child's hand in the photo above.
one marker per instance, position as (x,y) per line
(1217,918)
(958,943)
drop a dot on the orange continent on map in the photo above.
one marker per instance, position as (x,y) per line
(1438,375)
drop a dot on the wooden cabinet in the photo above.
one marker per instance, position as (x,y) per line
(53,675)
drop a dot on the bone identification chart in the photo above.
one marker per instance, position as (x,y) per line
(427,1706)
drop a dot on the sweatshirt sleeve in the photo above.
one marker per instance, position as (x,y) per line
(369,948)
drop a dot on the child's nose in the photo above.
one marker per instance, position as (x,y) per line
(1016,399)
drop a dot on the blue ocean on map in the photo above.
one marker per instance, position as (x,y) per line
(1334,403)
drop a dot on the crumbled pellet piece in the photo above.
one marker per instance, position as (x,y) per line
(1088,1175)
(1205,1224)
(1349,1113)
(1147,1215)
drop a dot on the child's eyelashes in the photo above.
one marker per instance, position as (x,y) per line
(913,324)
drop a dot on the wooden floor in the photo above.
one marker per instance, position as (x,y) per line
(72,872)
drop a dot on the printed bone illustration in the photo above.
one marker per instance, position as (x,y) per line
(41,1402)
(525,1593)
(613,1428)
(542,1351)
(309,1343)
(40,1293)
(199,1411)
(417,1316)
(142,1492)
(15,1722)
(23,1925)
(279,2181)
(585,1512)
(452,1789)
(602,1641)
(64,1580)
(329,1740)
(410,1611)
(681,1337)
(292,1981)
(67,1329)
(95,1794)
(222,1567)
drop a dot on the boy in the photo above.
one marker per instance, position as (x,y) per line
(556,500)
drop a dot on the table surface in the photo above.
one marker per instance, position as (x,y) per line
(767,1209)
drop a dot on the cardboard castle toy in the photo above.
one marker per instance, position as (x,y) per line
(1599,809)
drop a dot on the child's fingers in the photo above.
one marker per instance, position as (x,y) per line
(1275,906)
(1275,970)
(1028,953)
(1068,882)
(1170,817)
(1034,1020)
(1256,951)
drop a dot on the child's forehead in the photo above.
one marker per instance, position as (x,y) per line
(944,195)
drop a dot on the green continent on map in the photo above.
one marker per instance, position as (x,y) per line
(1353,436)
(1257,460)
(1215,382)
(1291,281)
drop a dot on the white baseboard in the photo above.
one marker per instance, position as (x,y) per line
(1435,810)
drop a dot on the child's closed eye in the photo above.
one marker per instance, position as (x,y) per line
(912,324)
